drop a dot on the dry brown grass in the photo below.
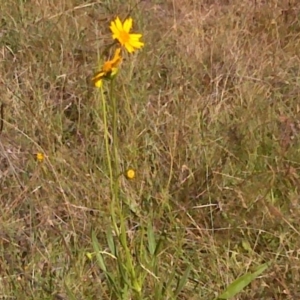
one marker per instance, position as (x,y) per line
(208,116)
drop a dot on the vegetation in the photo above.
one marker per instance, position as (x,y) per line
(176,179)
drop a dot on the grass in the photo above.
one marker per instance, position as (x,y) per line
(207,116)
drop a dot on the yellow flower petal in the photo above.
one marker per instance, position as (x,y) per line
(109,65)
(129,48)
(97,79)
(119,25)
(127,25)
(98,83)
(135,36)
(109,69)
(137,44)
(116,27)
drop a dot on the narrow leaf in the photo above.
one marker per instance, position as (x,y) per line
(183,280)
(111,242)
(237,286)
(99,256)
(151,239)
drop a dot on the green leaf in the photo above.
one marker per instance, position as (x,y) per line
(111,242)
(183,280)
(101,262)
(151,239)
(99,256)
(236,286)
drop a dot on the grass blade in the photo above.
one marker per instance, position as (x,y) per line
(238,285)
(100,259)
(182,281)
(111,242)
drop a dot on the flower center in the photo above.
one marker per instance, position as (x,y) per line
(124,36)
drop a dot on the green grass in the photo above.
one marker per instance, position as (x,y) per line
(207,116)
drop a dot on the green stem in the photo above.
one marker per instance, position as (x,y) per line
(111,176)
(115,132)
(116,207)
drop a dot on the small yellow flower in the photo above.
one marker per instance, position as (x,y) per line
(130,174)
(40,157)
(130,41)
(109,69)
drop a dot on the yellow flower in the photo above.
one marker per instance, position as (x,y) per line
(40,157)
(109,69)
(130,174)
(130,41)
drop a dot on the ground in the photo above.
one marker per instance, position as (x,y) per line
(208,117)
